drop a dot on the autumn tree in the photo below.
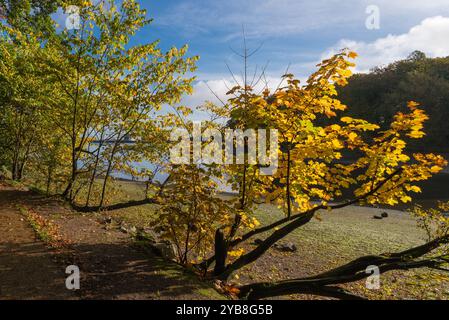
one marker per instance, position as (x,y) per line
(97,95)
(22,102)
(191,211)
(312,177)
(30,16)
(240,175)
(24,26)
(110,90)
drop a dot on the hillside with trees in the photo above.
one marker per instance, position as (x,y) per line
(379,95)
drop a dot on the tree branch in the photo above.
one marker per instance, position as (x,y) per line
(350,272)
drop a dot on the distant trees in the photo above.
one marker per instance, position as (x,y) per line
(379,95)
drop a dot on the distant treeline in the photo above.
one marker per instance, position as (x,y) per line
(380,94)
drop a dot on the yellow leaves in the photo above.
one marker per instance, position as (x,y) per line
(347,120)
(337,144)
(256,222)
(345,73)
(430,163)
(352,55)
(359,124)
(369,127)
(435,169)
(443,206)
(329,113)
(226,288)
(403,158)
(392,201)
(415,189)
(335,127)
(352,136)
(316,173)
(344,184)
(253,224)
(406,199)
(236,253)
(433,221)
(412,105)
(273,195)
(416,134)
(191,211)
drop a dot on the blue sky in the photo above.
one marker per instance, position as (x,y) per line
(295,32)
(298,33)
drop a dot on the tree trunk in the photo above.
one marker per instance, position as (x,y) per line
(49,179)
(266,244)
(221,252)
(94,172)
(324,284)
(288,196)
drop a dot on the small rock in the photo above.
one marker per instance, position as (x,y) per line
(146,235)
(133,229)
(384,215)
(165,249)
(377,217)
(123,229)
(107,220)
(286,247)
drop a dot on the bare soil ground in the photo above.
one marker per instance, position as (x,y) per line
(112,266)
(28,269)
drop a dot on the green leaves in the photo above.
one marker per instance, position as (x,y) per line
(90,84)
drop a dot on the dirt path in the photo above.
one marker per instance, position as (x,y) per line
(111,266)
(28,269)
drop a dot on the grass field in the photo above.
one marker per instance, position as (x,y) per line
(343,235)
(337,237)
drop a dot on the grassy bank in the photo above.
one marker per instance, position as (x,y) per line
(333,239)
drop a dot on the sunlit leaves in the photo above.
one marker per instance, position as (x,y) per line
(434,221)
(191,211)
(312,163)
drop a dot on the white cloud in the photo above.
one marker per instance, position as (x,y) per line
(266,18)
(431,36)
